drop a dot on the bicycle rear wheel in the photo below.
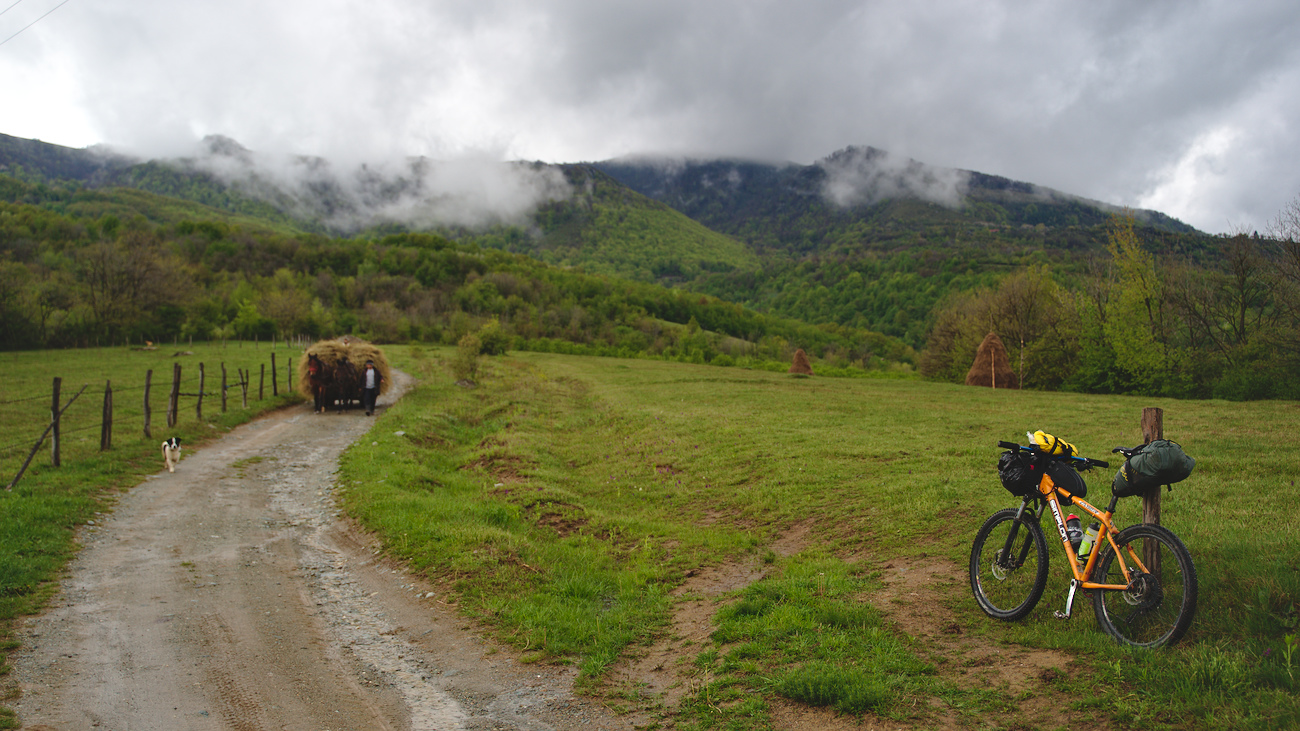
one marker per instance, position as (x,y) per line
(1008,583)
(1158,606)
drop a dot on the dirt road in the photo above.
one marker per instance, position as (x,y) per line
(231,595)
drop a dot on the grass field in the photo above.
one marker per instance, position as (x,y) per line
(38,516)
(564,497)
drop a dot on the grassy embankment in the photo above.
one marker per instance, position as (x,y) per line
(564,498)
(38,517)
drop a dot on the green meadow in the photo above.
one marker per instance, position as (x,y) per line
(563,498)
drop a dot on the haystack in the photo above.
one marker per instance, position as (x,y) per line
(342,368)
(992,367)
(800,364)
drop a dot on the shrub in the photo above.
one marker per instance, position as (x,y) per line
(464,365)
(493,340)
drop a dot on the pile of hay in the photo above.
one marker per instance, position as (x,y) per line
(800,364)
(992,366)
(343,364)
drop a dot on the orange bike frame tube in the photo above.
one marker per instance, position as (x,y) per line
(1050,491)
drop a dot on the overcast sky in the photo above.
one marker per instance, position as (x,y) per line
(1186,107)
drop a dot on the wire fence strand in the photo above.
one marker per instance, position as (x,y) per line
(126,416)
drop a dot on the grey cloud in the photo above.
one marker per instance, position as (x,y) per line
(1109,100)
(865,175)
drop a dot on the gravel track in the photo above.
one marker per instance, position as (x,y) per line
(232,595)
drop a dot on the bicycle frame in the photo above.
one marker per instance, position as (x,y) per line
(1050,493)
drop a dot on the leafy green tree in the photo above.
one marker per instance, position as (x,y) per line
(250,324)
(493,340)
(14,323)
(1136,320)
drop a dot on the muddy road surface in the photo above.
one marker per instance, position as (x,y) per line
(231,594)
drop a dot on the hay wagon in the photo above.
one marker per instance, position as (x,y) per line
(332,372)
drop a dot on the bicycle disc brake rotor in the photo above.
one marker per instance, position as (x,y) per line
(1000,571)
(1145,592)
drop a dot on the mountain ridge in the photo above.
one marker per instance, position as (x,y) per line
(848,184)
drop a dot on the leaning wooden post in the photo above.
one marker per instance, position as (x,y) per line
(173,402)
(148,413)
(261,383)
(58,413)
(1153,427)
(106,427)
(198,405)
(223,387)
(54,422)
(275,388)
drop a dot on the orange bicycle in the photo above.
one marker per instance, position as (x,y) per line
(1141,579)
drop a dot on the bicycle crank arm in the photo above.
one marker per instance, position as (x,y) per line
(1069,601)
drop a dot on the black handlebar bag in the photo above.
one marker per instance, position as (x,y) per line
(1018,473)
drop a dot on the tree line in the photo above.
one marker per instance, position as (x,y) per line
(1154,312)
(1134,322)
(72,279)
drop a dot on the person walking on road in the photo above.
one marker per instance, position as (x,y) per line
(370,388)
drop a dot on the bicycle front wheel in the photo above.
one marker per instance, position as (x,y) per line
(1159,604)
(1008,566)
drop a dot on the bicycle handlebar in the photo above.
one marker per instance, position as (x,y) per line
(1090,461)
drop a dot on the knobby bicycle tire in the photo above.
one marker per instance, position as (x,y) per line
(1008,591)
(1159,607)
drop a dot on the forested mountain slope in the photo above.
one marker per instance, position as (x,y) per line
(865,198)
(880,256)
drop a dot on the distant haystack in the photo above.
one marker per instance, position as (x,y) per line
(339,369)
(800,365)
(992,367)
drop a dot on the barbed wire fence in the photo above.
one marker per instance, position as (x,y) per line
(186,386)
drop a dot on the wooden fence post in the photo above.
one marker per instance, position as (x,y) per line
(244,377)
(198,405)
(106,428)
(275,388)
(223,387)
(173,403)
(54,422)
(261,384)
(148,413)
(58,413)
(288,369)
(1153,427)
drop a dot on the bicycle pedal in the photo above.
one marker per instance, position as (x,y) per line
(1061,615)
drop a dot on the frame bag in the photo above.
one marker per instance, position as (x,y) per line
(1063,475)
(1161,462)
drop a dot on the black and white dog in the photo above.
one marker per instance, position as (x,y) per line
(171,449)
